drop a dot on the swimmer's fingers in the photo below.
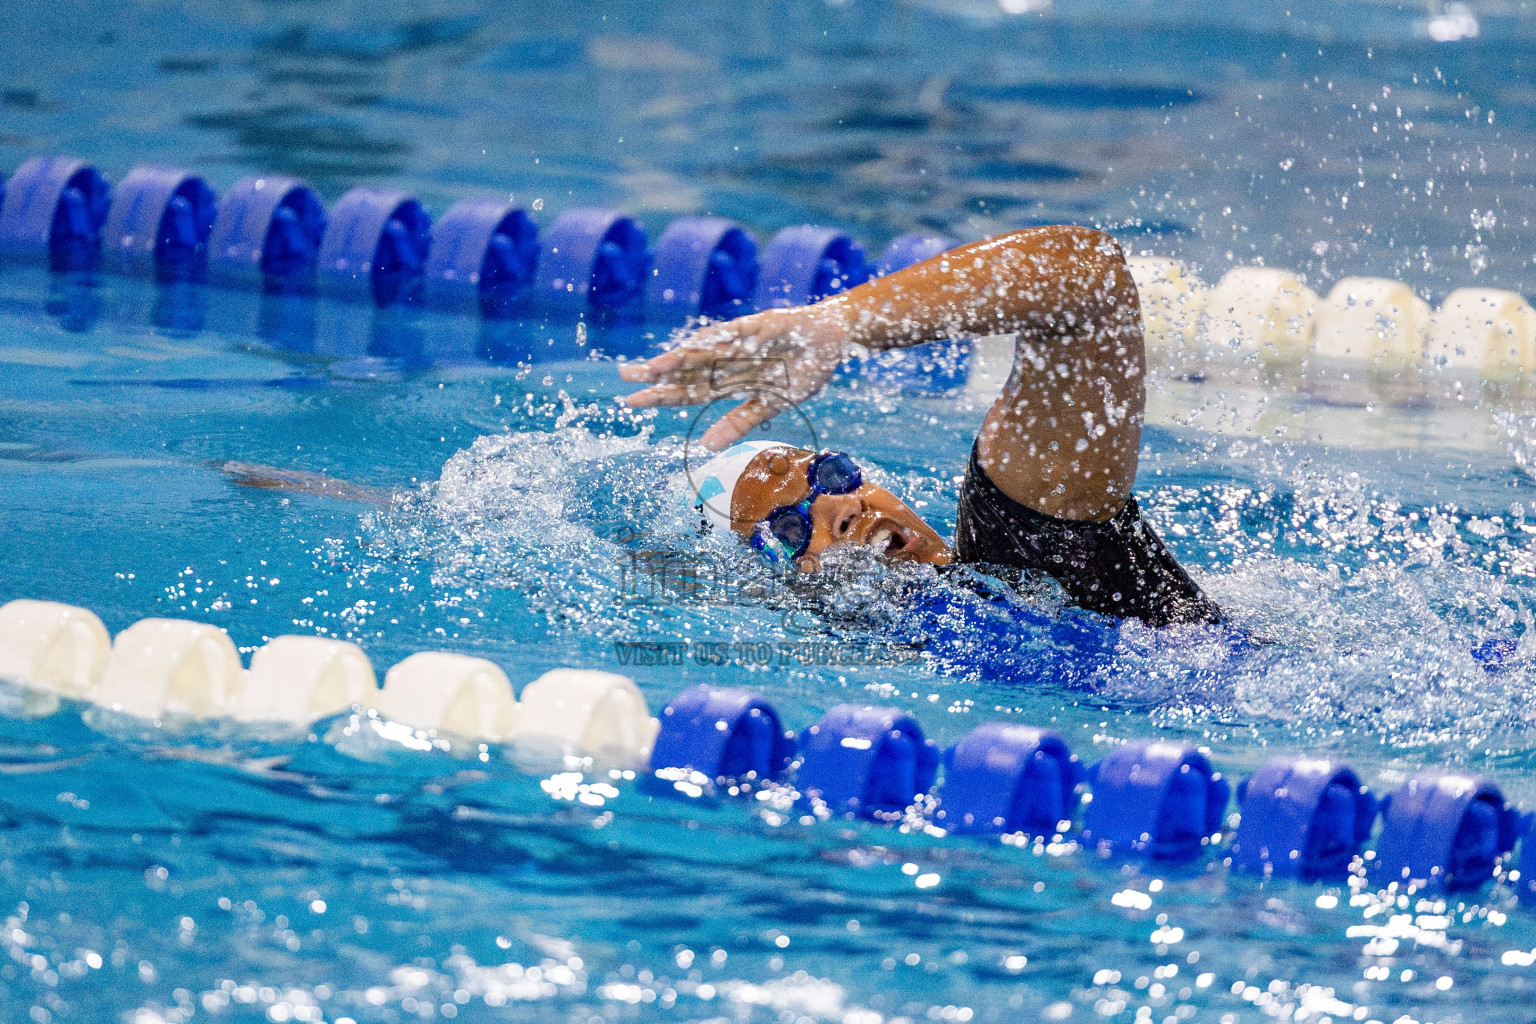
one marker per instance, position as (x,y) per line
(690,366)
(666,365)
(706,375)
(669,394)
(735,425)
(720,352)
(710,384)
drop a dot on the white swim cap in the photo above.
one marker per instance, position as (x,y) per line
(714,484)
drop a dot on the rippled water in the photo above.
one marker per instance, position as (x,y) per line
(208,872)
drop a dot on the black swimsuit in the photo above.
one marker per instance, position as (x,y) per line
(1119,567)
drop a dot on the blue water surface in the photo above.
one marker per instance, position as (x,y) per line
(211,872)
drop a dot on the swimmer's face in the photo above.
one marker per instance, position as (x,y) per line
(871,516)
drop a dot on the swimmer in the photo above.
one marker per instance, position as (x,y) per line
(1047,490)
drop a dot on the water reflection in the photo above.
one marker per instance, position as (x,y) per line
(403,337)
(73,299)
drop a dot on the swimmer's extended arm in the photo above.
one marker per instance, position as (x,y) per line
(298,481)
(1063,436)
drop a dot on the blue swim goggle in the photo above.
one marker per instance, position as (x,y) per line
(785,533)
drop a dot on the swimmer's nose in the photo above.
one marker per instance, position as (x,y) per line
(845,511)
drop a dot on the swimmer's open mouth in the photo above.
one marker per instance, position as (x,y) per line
(890,540)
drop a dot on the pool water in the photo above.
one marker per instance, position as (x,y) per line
(214,872)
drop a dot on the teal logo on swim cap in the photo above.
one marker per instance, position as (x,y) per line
(712,485)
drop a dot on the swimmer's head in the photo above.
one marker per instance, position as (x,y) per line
(774,490)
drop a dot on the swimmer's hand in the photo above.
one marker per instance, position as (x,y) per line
(773,359)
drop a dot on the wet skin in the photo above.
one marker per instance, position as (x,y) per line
(1063,436)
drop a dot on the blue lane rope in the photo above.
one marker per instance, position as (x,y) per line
(272,233)
(905,250)
(1444,829)
(597,258)
(266,235)
(705,266)
(807,263)
(375,245)
(1152,800)
(1005,778)
(719,736)
(1149,800)
(484,254)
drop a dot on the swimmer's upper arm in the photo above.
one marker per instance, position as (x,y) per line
(1063,436)
(1037,280)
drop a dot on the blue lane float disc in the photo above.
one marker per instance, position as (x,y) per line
(376,244)
(722,735)
(596,258)
(1443,829)
(267,234)
(865,761)
(705,266)
(807,263)
(53,209)
(159,223)
(1302,818)
(1154,799)
(1004,777)
(484,256)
